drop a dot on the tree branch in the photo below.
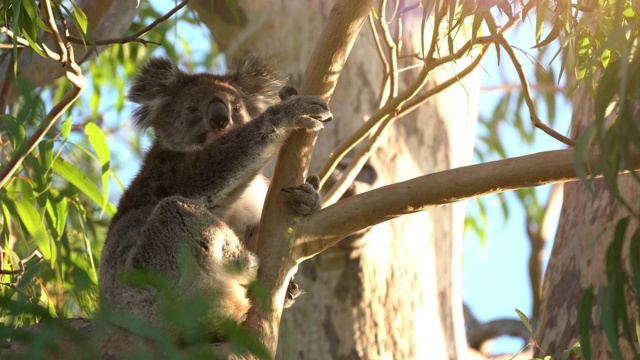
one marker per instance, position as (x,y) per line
(326,227)
(325,65)
(405,102)
(528,99)
(137,36)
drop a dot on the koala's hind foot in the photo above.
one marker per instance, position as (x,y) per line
(304,199)
(293,291)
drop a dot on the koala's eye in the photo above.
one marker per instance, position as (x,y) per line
(237,107)
(192,109)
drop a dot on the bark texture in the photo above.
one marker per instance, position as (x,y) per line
(585,231)
(394,293)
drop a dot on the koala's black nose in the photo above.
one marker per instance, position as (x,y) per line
(218,115)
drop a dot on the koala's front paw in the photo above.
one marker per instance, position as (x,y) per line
(298,112)
(304,199)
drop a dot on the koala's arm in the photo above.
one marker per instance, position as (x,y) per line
(238,155)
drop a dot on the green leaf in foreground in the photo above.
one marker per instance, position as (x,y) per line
(82,182)
(525,320)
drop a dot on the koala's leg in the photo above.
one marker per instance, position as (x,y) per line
(200,256)
(178,223)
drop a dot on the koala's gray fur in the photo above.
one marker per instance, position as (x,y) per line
(199,193)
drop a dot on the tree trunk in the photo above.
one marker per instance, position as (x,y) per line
(395,292)
(577,262)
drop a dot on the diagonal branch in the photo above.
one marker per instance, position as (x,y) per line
(326,227)
(526,92)
(137,36)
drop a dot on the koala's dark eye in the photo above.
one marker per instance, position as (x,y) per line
(237,107)
(192,109)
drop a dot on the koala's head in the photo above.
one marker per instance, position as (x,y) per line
(187,111)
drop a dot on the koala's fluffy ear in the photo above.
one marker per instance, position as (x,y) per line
(258,80)
(152,88)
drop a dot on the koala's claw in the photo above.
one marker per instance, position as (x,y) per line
(293,291)
(299,112)
(304,199)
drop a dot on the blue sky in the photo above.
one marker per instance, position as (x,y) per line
(495,276)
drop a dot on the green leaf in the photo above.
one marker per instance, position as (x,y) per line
(574,350)
(541,12)
(41,165)
(525,320)
(584,322)
(81,17)
(33,45)
(14,129)
(82,182)
(56,213)
(553,34)
(66,128)
(99,143)
(634,262)
(75,21)
(613,305)
(233,6)
(614,252)
(29,216)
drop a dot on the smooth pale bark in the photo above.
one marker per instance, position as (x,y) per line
(108,19)
(395,293)
(585,231)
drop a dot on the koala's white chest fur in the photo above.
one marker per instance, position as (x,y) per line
(244,214)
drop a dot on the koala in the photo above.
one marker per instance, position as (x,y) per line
(198,195)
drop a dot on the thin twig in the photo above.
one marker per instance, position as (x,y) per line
(384,89)
(391,49)
(23,43)
(410,100)
(11,46)
(55,33)
(21,264)
(528,99)
(393,106)
(367,148)
(137,36)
